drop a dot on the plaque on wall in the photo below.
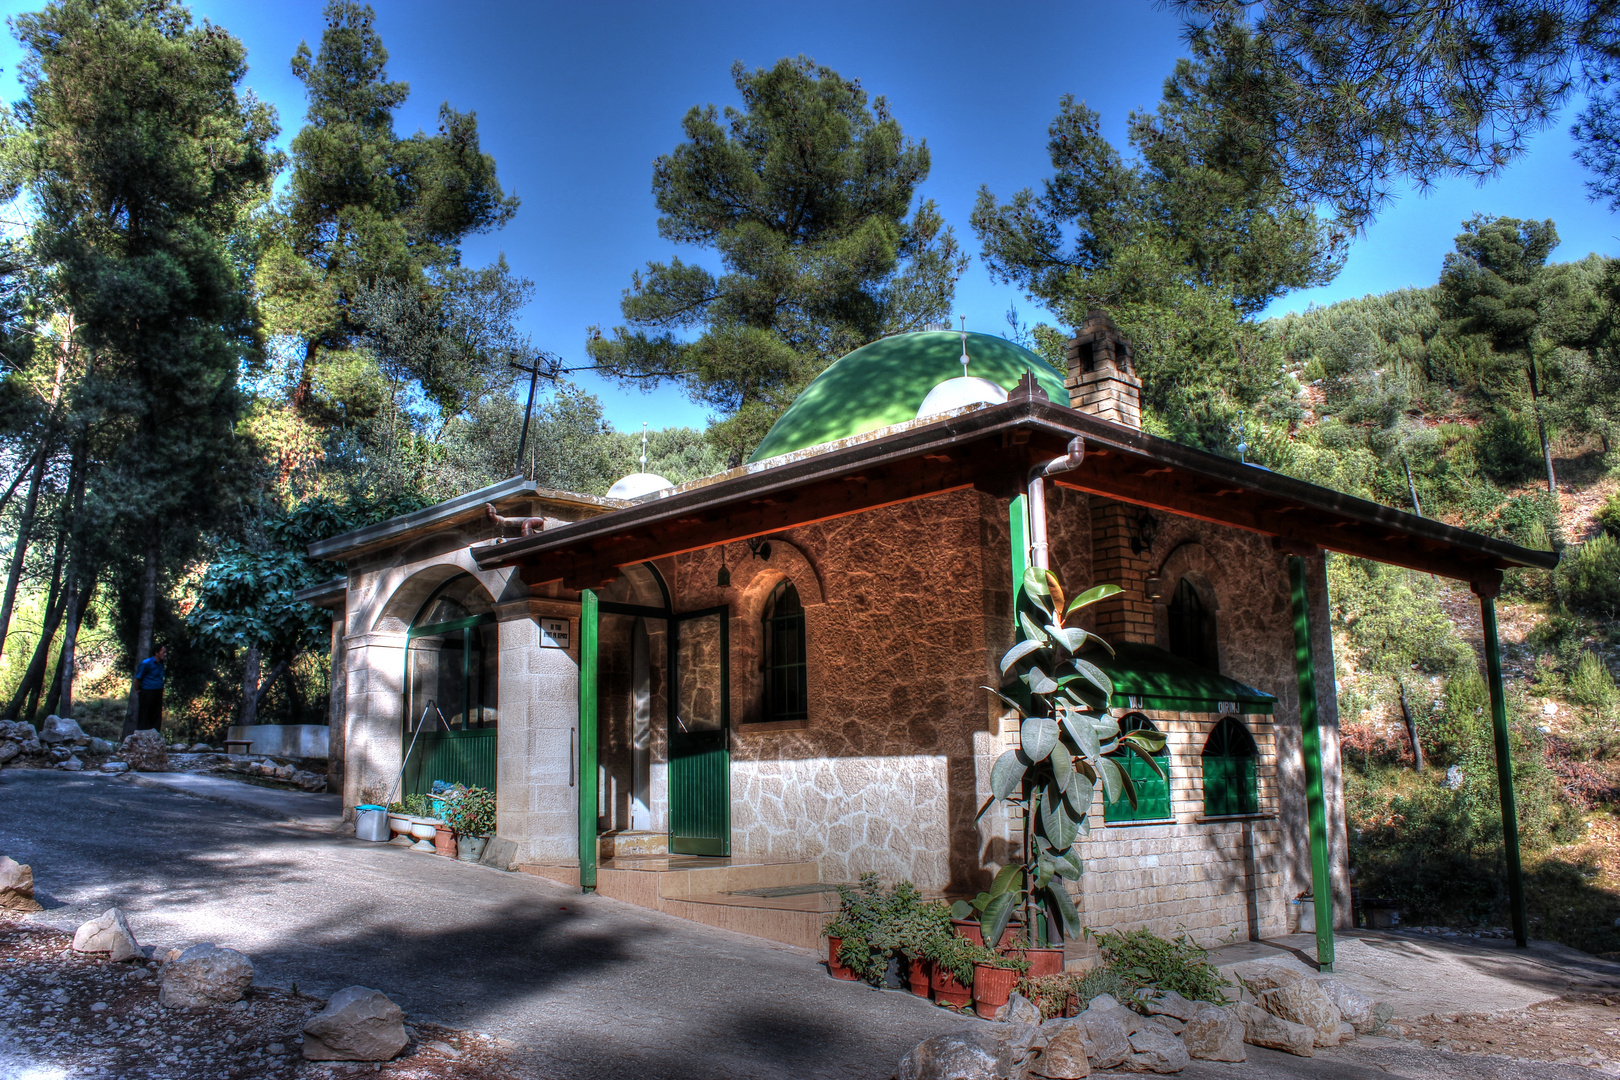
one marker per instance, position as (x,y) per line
(554,633)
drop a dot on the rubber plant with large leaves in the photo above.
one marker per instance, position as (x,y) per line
(1068,744)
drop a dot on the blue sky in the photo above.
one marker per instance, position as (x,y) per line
(575,101)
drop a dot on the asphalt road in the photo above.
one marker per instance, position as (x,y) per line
(583,987)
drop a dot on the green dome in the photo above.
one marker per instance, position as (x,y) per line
(885,382)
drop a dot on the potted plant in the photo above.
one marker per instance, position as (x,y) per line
(967,919)
(850,934)
(913,924)
(952,976)
(994,975)
(1065,735)
(472,815)
(1043,959)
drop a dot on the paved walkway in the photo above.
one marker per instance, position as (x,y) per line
(586,987)
(296,806)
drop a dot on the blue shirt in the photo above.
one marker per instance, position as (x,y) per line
(149,676)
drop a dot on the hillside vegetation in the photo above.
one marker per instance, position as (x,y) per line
(1441,401)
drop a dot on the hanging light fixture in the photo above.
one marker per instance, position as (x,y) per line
(723,579)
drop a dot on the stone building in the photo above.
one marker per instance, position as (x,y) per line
(771,678)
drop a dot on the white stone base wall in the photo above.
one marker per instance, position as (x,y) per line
(887,815)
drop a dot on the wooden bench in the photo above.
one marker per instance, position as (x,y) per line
(245,744)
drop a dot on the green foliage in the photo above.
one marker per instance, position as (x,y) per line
(1609,515)
(1394,619)
(1588,576)
(1592,685)
(471,812)
(1066,739)
(803,193)
(864,913)
(1146,959)
(956,955)
(415,804)
(1052,993)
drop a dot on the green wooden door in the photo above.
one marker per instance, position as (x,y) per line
(699,735)
(456,757)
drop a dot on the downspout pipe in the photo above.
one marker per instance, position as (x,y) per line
(1037,497)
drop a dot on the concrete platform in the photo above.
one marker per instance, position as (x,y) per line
(1421,976)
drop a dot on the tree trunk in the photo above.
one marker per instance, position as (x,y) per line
(1411,731)
(1541,425)
(306,376)
(79,599)
(1411,489)
(250,689)
(19,551)
(33,678)
(143,633)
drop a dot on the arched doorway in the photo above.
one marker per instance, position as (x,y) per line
(451,657)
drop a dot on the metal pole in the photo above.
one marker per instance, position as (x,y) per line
(523,440)
(588,629)
(1504,771)
(1311,742)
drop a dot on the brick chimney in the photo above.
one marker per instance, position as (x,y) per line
(1102,376)
(1102,381)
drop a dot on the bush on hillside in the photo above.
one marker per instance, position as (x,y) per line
(1509,450)
(1588,577)
(1592,685)
(1394,618)
(1609,515)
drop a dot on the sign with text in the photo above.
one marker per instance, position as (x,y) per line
(554,633)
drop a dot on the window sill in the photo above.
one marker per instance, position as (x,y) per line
(765,727)
(1140,821)
(1265,815)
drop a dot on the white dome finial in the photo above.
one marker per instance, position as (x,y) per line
(644,446)
(964,346)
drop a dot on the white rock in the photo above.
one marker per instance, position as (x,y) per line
(358,1024)
(61,730)
(1155,1050)
(9,750)
(205,975)
(108,933)
(1215,1033)
(72,764)
(16,886)
(115,766)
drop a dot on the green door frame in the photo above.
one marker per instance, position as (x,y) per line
(713,846)
(1504,765)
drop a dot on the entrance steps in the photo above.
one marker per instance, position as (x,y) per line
(778,901)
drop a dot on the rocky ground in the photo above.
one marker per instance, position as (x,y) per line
(1576,1029)
(89,1017)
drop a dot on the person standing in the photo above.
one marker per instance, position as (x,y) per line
(149,690)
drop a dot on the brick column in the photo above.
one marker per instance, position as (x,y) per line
(1128,617)
(1102,376)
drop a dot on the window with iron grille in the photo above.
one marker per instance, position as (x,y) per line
(1152,790)
(1231,770)
(787,695)
(1192,630)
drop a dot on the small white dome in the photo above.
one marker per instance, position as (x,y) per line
(960,391)
(638,484)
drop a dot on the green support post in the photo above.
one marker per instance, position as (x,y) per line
(1504,771)
(1018,519)
(589,624)
(1311,740)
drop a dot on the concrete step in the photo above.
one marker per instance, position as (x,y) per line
(623,844)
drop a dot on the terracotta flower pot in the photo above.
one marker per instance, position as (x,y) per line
(918,972)
(992,986)
(970,929)
(1041,961)
(947,991)
(834,968)
(444,841)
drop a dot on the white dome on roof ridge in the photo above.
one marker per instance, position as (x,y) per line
(638,484)
(959,392)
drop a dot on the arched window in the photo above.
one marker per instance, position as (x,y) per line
(787,694)
(451,677)
(1152,790)
(1231,780)
(1192,631)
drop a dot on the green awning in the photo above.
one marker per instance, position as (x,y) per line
(1146,677)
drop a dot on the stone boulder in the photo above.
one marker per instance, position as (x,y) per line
(72,764)
(115,766)
(99,746)
(200,748)
(9,750)
(1065,1056)
(1258,976)
(1019,1010)
(108,933)
(1154,1049)
(59,729)
(358,1024)
(205,975)
(1173,1004)
(144,751)
(1260,1028)
(1355,1008)
(1108,1032)
(1305,1002)
(17,886)
(32,747)
(982,1052)
(1215,1033)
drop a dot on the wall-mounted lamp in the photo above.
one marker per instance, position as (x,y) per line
(1144,530)
(1153,588)
(761,549)
(723,579)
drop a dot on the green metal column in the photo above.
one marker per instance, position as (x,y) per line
(589,624)
(1018,519)
(1311,739)
(1504,771)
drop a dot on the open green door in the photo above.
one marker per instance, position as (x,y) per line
(699,734)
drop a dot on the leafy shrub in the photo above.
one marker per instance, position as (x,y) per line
(955,955)
(472,812)
(1509,450)
(1589,576)
(1052,993)
(1530,520)
(878,924)
(1146,959)
(1590,684)
(1394,618)
(1609,515)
